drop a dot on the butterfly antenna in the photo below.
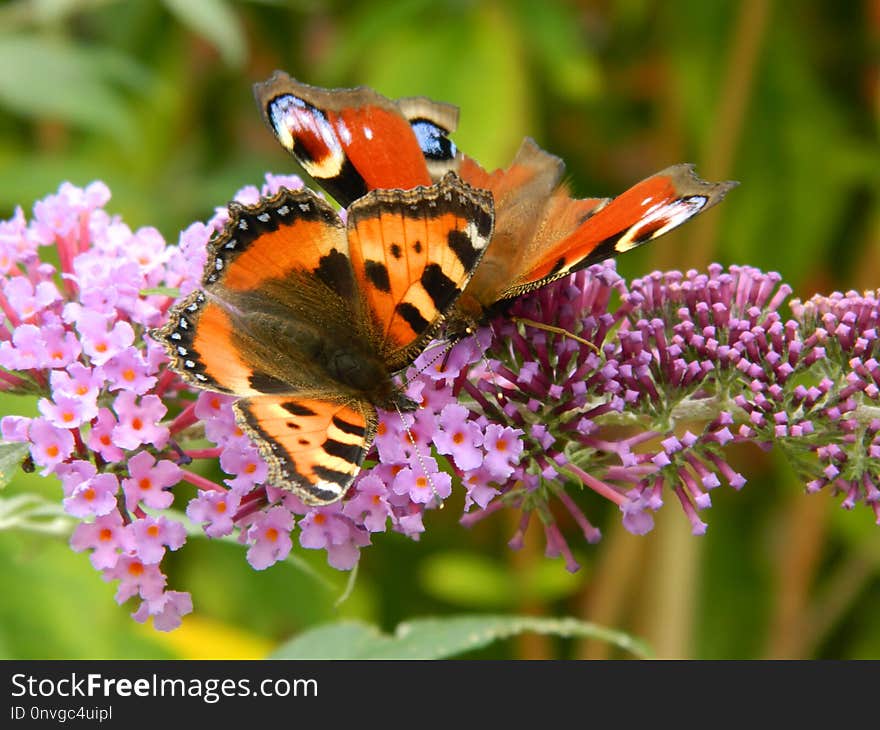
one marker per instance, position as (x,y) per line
(555,330)
(437,498)
(444,353)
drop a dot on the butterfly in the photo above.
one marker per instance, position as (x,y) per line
(355,140)
(306,318)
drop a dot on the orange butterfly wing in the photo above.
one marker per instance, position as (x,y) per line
(543,234)
(412,253)
(295,316)
(316,445)
(356,140)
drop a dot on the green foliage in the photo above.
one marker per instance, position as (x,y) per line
(438,638)
(11,456)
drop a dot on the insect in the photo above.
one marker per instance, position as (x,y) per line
(307,318)
(354,140)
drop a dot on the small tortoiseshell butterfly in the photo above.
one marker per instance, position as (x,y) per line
(307,318)
(355,140)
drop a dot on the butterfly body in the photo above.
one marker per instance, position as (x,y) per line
(541,232)
(307,318)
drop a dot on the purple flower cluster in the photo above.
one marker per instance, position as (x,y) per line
(72,335)
(632,391)
(119,429)
(641,400)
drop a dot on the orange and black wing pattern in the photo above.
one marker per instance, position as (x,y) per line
(651,208)
(314,447)
(352,141)
(306,318)
(292,245)
(413,252)
(543,234)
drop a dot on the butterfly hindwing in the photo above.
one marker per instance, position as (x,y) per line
(355,140)
(315,446)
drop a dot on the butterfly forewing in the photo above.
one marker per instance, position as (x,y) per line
(646,211)
(355,140)
(272,261)
(413,252)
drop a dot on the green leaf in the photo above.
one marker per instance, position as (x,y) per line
(54,79)
(35,514)
(439,638)
(11,456)
(216,23)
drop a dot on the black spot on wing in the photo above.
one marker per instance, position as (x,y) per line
(297,409)
(413,317)
(352,429)
(352,453)
(377,273)
(347,186)
(463,247)
(265,383)
(483,218)
(440,287)
(395,250)
(605,250)
(417,247)
(334,269)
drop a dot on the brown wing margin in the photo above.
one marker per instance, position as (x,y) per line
(412,253)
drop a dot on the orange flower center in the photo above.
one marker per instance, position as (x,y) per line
(105,534)
(101,347)
(67,416)
(128,374)
(250,468)
(145,483)
(320,519)
(89,494)
(136,569)
(221,507)
(153,530)
(271,534)
(52,451)
(137,424)
(421,482)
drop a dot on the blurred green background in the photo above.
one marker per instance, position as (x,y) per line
(155,99)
